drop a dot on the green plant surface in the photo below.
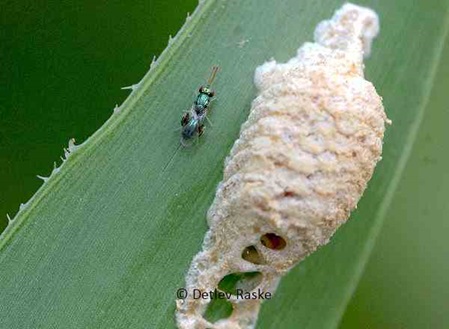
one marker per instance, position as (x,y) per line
(405,284)
(62,66)
(107,240)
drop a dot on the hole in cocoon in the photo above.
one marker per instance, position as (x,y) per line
(273,241)
(251,255)
(244,282)
(218,309)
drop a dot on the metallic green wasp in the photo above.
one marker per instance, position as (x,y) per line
(192,121)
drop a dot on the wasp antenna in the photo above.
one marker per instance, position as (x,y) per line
(213,74)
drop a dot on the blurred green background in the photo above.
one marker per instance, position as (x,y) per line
(62,66)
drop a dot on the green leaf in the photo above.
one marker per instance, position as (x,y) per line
(62,69)
(106,241)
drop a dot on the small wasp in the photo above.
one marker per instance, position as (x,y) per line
(192,121)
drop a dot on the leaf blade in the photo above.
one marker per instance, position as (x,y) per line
(116,230)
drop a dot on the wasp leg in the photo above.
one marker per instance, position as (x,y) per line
(210,122)
(184,142)
(185,119)
(201,129)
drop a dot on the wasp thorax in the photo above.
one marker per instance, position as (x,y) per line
(302,161)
